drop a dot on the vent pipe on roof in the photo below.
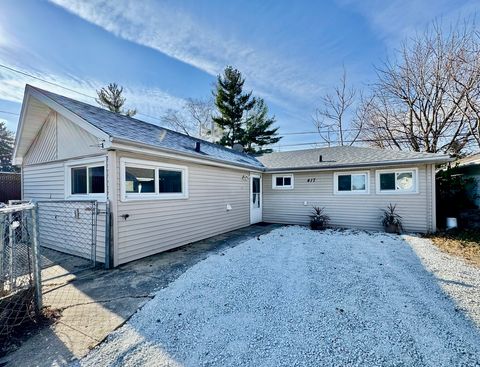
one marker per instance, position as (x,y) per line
(320,159)
(237,147)
(197,146)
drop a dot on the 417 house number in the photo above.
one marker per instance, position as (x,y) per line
(311,180)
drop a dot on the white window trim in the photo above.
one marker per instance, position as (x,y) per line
(138,163)
(274,182)
(351,192)
(396,171)
(88,162)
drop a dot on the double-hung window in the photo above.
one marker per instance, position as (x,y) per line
(284,182)
(351,183)
(397,181)
(143,180)
(85,179)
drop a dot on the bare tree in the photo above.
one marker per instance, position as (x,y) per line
(334,118)
(194,118)
(421,99)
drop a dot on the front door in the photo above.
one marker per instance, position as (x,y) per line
(255,198)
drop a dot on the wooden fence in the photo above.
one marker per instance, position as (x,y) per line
(10,186)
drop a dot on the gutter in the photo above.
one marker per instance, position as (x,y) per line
(175,154)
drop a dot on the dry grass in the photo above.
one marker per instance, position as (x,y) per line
(464,243)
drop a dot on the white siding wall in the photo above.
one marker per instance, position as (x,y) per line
(157,225)
(357,211)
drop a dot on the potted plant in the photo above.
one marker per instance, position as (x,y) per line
(391,220)
(318,219)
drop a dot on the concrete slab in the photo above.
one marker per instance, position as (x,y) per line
(94,302)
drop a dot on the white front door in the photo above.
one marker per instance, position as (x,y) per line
(255,198)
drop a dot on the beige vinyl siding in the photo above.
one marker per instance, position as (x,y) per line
(47,182)
(153,226)
(351,210)
(44,181)
(60,139)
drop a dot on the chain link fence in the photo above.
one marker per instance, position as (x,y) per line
(20,278)
(48,249)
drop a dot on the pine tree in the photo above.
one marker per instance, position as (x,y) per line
(259,131)
(232,104)
(111,98)
(7,141)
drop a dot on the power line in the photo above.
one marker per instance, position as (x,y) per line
(10,113)
(66,88)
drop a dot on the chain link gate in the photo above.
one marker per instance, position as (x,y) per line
(68,234)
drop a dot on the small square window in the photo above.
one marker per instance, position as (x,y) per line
(282,182)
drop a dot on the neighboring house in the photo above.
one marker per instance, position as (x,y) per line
(167,189)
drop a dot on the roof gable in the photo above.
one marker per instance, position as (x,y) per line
(36,108)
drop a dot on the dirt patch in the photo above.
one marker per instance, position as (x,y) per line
(30,325)
(464,243)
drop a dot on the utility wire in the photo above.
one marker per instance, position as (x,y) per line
(10,113)
(66,88)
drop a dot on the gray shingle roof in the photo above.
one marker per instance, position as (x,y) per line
(342,156)
(131,129)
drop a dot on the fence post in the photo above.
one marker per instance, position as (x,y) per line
(3,219)
(10,249)
(37,270)
(107,235)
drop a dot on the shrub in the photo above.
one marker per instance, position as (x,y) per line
(318,219)
(391,220)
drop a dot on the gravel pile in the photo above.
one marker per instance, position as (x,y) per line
(296,297)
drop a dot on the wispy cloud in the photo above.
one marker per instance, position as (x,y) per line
(149,101)
(181,35)
(395,20)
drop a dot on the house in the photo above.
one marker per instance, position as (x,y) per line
(166,189)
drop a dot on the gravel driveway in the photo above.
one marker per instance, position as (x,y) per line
(295,297)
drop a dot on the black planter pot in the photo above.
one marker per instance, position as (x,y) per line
(392,228)
(317,226)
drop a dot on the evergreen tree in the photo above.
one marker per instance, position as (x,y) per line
(232,104)
(259,131)
(111,98)
(7,141)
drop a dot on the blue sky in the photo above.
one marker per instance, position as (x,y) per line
(166,51)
